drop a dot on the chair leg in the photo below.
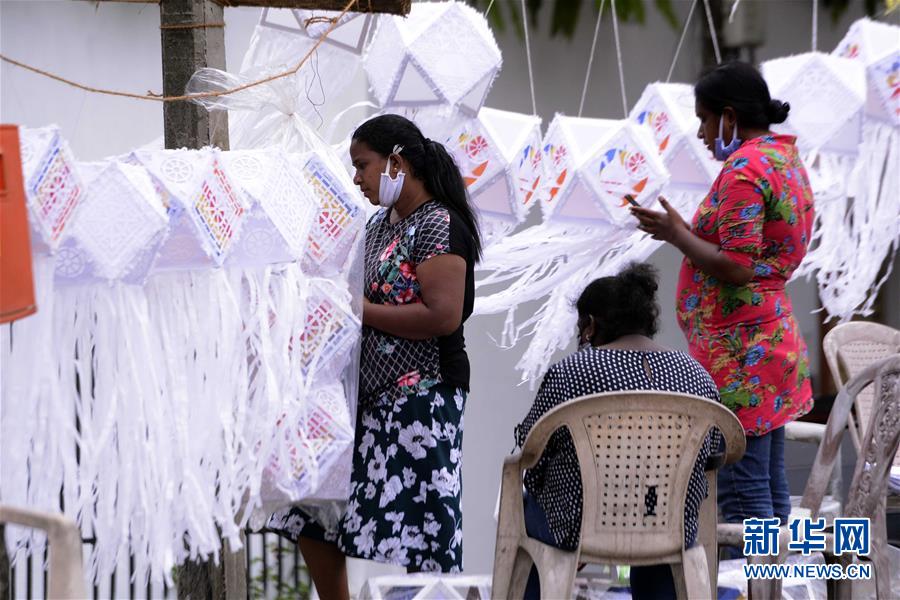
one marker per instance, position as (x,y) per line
(505,556)
(879,555)
(706,532)
(556,569)
(692,575)
(763,589)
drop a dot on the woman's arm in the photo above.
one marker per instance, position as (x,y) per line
(442,281)
(669,227)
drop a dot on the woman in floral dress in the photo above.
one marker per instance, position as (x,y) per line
(420,251)
(746,239)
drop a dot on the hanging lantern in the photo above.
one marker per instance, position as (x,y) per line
(283,209)
(597,168)
(408,66)
(207,209)
(340,218)
(876,46)
(827,95)
(498,155)
(666,110)
(52,185)
(117,231)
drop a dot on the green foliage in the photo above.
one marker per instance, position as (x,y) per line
(270,586)
(566,13)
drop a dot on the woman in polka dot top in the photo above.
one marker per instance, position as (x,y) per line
(617,319)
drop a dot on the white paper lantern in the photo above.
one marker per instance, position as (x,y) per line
(827,95)
(666,110)
(498,154)
(340,217)
(408,65)
(877,46)
(349,35)
(207,209)
(52,185)
(595,165)
(283,208)
(118,229)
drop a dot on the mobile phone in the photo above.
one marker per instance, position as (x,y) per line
(631,200)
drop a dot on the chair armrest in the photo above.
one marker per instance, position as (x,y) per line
(800,431)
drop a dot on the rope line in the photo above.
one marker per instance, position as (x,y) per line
(528,56)
(587,76)
(687,23)
(615,21)
(191,25)
(160,98)
(712,32)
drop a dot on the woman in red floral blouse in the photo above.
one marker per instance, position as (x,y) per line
(746,239)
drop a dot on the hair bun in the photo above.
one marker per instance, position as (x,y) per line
(642,276)
(777,111)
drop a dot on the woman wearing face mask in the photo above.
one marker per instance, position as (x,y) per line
(617,319)
(746,239)
(420,250)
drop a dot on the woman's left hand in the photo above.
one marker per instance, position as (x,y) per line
(665,226)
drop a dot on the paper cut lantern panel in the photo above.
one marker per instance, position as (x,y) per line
(52,185)
(877,46)
(283,208)
(594,166)
(408,65)
(827,95)
(340,216)
(498,154)
(666,110)
(117,231)
(207,210)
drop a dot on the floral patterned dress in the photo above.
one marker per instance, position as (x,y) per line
(760,213)
(406,483)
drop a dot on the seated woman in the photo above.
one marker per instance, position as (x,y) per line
(617,319)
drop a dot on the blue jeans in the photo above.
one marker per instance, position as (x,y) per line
(756,485)
(652,582)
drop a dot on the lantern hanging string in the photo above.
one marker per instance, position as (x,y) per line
(687,23)
(815,25)
(712,32)
(615,21)
(587,76)
(528,57)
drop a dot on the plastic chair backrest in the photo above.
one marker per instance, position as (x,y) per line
(636,452)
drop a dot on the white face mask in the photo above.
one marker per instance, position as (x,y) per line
(389,189)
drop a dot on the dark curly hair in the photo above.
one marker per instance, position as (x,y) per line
(741,86)
(623,304)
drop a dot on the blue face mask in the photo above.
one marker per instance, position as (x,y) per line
(721,151)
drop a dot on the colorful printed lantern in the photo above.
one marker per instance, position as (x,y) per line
(118,229)
(597,167)
(499,156)
(407,63)
(283,208)
(877,46)
(827,95)
(207,209)
(330,333)
(52,185)
(666,110)
(340,215)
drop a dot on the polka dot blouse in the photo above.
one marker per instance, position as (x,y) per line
(555,481)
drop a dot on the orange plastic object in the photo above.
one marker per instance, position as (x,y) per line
(16,281)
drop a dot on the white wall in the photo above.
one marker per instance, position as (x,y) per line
(117,45)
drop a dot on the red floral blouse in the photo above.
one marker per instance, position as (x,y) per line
(760,213)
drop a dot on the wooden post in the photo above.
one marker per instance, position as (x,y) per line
(193,37)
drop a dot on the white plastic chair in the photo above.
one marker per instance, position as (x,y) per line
(66,577)
(630,445)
